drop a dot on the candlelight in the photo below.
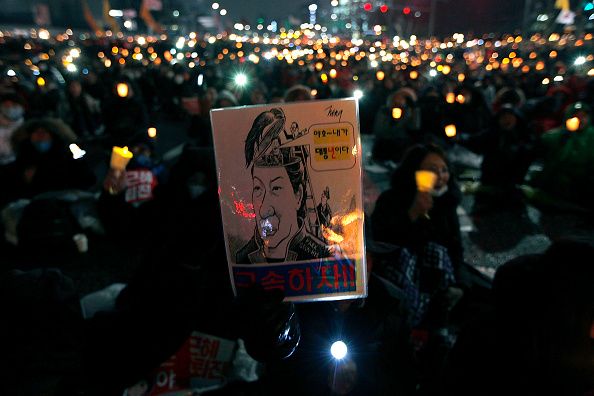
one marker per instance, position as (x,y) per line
(396,113)
(425,180)
(122,89)
(450,130)
(572,124)
(120,156)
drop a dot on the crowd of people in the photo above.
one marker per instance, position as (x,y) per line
(65,102)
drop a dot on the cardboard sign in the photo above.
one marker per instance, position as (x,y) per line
(291,198)
(140,184)
(202,363)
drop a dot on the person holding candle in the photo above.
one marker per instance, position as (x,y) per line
(508,148)
(568,160)
(424,222)
(399,215)
(394,125)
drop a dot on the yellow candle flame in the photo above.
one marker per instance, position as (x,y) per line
(396,113)
(152,132)
(572,124)
(450,130)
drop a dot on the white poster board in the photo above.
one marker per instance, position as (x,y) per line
(291,201)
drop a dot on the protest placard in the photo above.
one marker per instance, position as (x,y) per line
(291,201)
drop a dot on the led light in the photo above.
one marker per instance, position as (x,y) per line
(76,151)
(339,350)
(580,60)
(240,79)
(358,94)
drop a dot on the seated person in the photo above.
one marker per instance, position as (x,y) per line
(568,159)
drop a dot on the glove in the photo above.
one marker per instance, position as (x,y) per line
(269,327)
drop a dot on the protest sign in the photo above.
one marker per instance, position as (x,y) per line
(291,201)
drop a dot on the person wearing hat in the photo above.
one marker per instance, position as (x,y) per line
(323,208)
(278,196)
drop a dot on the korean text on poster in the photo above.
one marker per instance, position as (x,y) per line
(291,200)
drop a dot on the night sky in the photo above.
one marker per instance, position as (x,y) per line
(454,15)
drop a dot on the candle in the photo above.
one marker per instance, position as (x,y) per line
(572,124)
(122,89)
(450,98)
(425,180)
(152,132)
(450,130)
(396,113)
(120,156)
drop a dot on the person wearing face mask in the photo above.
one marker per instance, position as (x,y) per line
(132,199)
(410,218)
(44,161)
(426,225)
(11,117)
(429,269)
